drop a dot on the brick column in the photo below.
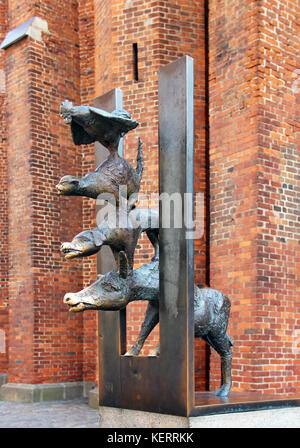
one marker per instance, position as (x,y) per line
(255,188)
(45,340)
(87,96)
(3,209)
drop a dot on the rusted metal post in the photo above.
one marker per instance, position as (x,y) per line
(165,383)
(176,155)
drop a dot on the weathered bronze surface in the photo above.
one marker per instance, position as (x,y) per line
(114,290)
(176,256)
(123,237)
(207,403)
(90,124)
(165,382)
(110,101)
(116,321)
(107,177)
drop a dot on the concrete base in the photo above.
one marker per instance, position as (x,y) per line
(127,418)
(30,393)
(88,386)
(272,418)
(3,379)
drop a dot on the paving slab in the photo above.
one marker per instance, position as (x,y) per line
(77,414)
(272,418)
(54,414)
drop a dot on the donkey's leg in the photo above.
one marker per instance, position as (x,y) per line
(151,320)
(206,339)
(222,344)
(129,250)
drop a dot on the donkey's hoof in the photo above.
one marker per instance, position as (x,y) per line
(132,352)
(223,391)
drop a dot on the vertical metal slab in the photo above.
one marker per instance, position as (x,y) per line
(176,153)
(111,325)
(162,384)
(109,102)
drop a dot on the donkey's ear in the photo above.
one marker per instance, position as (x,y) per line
(123,264)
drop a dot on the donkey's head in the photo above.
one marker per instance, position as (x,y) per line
(110,292)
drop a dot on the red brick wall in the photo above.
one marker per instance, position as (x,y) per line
(3,203)
(254,228)
(87,96)
(45,341)
(278,256)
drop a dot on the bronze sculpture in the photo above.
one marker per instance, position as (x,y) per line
(107,177)
(89,124)
(114,290)
(123,237)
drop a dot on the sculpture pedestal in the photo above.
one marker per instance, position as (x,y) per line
(238,404)
(127,418)
(206,403)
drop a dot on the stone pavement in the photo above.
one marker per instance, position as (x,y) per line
(54,414)
(77,414)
